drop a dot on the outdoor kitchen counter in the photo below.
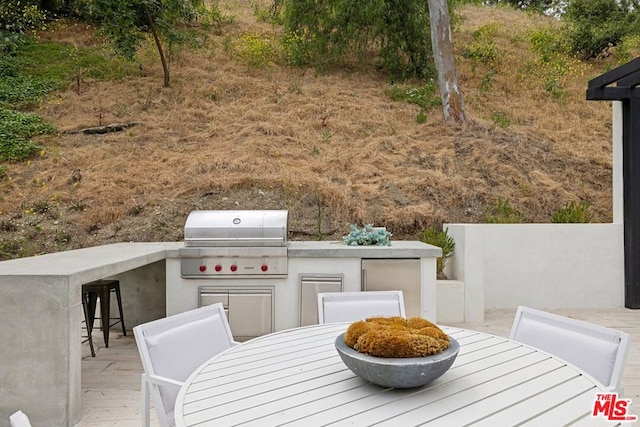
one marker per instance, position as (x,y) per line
(89,263)
(41,310)
(41,314)
(338,249)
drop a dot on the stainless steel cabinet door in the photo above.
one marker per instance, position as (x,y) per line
(394,275)
(250,313)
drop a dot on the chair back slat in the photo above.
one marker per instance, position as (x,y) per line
(353,306)
(599,351)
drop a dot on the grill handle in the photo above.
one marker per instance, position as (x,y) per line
(233,239)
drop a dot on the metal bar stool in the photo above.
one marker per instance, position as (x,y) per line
(90,293)
(85,309)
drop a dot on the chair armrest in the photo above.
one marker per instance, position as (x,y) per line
(160,380)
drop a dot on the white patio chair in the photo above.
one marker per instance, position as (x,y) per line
(352,306)
(599,351)
(19,419)
(172,348)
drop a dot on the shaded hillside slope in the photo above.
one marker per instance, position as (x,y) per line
(332,148)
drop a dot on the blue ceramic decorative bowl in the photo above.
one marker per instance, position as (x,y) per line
(401,372)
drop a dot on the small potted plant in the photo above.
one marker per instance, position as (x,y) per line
(368,235)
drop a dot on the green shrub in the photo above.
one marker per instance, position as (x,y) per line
(10,249)
(16,248)
(500,119)
(547,43)
(298,48)
(572,212)
(486,84)
(423,96)
(504,213)
(16,131)
(628,48)
(553,62)
(257,50)
(483,49)
(440,238)
(24,91)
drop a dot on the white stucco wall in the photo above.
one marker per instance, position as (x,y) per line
(544,265)
(539,265)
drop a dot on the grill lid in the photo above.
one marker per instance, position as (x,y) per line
(207,228)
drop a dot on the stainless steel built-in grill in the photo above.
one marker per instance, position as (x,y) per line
(235,243)
(236,258)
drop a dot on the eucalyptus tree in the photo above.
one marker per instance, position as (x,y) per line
(442,43)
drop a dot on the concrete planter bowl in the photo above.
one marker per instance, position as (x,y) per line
(406,372)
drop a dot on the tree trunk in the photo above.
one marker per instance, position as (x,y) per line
(154,31)
(442,45)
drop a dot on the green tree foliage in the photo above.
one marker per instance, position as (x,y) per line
(595,25)
(539,6)
(19,16)
(127,22)
(396,33)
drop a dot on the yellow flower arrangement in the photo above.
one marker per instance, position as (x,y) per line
(396,337)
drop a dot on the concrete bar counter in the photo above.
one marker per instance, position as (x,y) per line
(41,316)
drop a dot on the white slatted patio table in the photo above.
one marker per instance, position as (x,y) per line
(297,378)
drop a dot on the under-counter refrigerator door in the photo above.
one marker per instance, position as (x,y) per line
(394,275)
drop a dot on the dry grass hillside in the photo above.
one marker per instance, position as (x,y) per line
(331,148)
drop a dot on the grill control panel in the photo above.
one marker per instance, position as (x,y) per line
(225,267)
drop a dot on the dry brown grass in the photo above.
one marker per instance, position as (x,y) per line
(332,148)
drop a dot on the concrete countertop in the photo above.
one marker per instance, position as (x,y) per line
(119,257)
(107,259)
(338,249)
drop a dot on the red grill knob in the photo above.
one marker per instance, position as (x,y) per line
(264,267)
(218,267)
(203,268)
(234,267)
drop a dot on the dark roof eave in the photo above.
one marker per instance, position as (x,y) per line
(611,93)
(619,73)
